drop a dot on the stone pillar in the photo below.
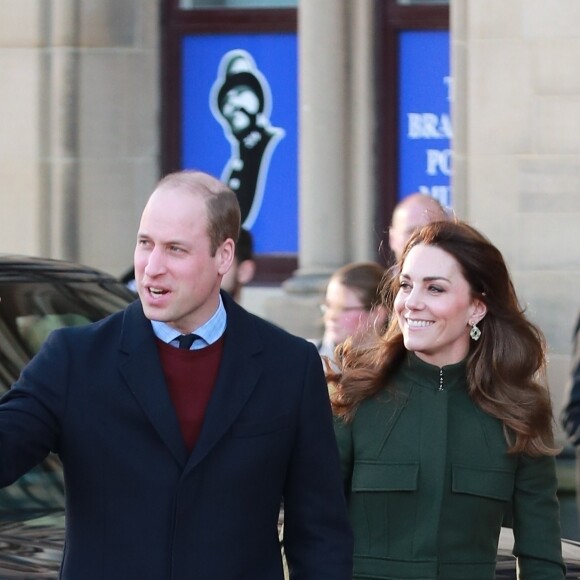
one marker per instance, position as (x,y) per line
(324,104)
(336,196)
(59,130)
(21,114)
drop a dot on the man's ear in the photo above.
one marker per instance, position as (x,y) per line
(225,254)
(246,271)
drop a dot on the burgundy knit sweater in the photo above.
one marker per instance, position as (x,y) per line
(190,376)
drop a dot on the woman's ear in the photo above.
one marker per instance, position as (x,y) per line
(478,310)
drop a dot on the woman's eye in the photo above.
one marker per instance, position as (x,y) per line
(435,289)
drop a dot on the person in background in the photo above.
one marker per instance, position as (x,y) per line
(352,306)
(183,421)
(446,419)
(571,412)
(243,267)
(128,278)
(412,212)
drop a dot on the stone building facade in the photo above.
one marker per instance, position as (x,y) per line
(80,142)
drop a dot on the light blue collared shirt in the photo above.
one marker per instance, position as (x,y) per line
(208,333)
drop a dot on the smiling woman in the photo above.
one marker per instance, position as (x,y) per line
(443,424)
(434,306)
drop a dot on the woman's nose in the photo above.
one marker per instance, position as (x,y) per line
(413,300)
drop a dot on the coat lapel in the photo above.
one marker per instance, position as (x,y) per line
(385,420)
(142,370)
(239,372)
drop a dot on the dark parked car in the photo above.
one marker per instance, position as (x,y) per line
(38,296)
(506,563)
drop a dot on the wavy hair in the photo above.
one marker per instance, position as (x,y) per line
(506,367)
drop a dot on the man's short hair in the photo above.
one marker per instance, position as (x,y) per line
(223,208)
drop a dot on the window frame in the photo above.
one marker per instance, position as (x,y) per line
(391,19)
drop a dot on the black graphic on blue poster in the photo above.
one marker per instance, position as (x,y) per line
(241,101)
(239,122)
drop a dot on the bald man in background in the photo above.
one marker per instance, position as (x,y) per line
(412,212)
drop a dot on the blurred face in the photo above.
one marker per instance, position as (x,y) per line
(230,282)
(177,278)
(434,306)
(344,313)
(406,219)
(238,276)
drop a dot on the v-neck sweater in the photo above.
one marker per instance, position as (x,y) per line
(190,377)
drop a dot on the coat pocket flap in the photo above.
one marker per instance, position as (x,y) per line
(485,482)
(385,476)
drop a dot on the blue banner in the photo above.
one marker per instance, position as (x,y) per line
(425,130)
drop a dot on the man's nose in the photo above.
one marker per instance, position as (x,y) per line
(155,263)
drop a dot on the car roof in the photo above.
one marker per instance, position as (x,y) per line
(33,269)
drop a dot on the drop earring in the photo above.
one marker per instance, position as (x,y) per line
(474,333)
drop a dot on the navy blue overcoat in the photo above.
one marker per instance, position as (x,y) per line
(138,505)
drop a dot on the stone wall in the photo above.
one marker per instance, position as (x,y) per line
(517,151)
(79,139)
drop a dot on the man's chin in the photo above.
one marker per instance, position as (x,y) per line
(153,312)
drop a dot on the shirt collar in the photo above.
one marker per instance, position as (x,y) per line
(209,332)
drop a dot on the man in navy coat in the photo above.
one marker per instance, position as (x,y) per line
(176,460)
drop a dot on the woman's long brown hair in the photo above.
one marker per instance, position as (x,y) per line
(506,367)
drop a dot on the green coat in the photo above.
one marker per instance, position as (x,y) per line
(428,482)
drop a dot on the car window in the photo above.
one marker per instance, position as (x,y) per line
(29,312)
(35,328)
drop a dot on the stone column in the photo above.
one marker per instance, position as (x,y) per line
(324,103)
(336,118)
(59,133)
